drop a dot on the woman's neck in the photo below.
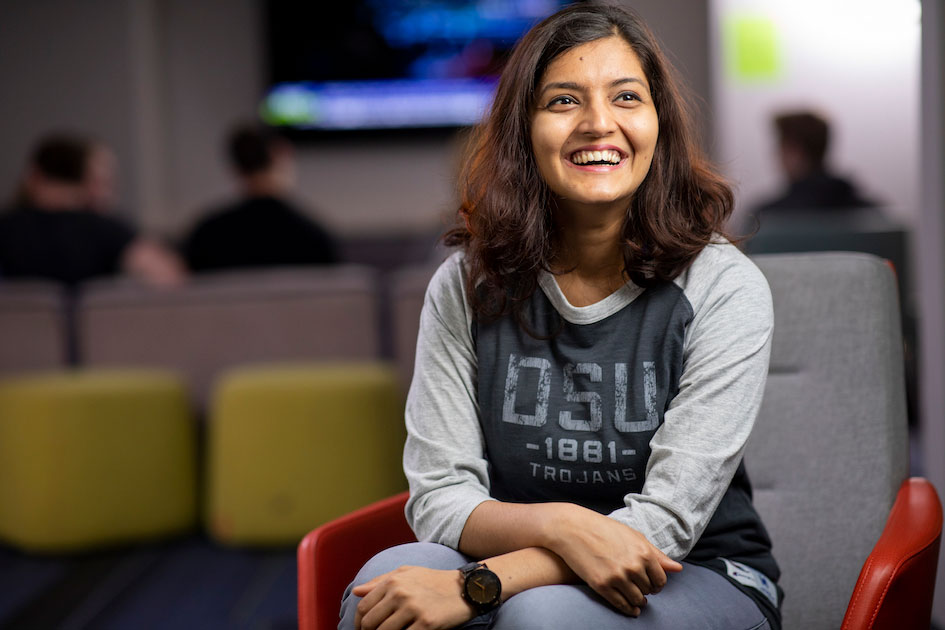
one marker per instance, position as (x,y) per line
(589,264)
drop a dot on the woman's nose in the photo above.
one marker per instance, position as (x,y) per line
(597,119)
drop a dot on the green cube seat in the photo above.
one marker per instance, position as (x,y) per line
(291,447)
(95,457)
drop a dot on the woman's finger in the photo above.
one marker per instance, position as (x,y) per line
(632,592)
(398,619)
(363,589)
(636,572)
(618,599)
(367,604)
(668,563)
(656,576)
(379,612)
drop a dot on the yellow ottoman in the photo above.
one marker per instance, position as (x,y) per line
(89,458)
(291,447)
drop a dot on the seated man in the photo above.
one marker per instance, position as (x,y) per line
(51,231)
(803,140)
(261,228)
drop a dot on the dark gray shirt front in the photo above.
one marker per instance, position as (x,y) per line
(568,416)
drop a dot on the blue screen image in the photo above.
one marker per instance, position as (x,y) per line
(381,64)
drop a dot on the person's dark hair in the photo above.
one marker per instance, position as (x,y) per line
(62,157)
(807,131)
(250,148)
(505,216)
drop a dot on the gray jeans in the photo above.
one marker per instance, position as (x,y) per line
(696,598)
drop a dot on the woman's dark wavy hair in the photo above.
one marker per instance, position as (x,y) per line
(505,217)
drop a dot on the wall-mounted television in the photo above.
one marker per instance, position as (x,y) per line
(389,64)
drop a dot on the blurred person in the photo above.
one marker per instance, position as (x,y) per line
(803,142)
(53,230)
(263,227)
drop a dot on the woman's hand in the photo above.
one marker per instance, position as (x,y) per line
(615,560)
(412,597)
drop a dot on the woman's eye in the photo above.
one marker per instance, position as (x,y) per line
(562,100)
(627,97)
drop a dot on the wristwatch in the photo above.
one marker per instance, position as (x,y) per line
(481,587)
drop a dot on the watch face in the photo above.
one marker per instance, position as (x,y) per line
(483,587)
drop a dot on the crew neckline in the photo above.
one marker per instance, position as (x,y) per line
(591,313)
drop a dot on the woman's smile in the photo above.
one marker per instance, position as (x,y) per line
(598,158)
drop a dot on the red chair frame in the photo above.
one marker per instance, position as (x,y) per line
(329,557)
(894,589)
(895,586)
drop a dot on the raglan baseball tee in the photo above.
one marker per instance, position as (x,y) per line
(638,406)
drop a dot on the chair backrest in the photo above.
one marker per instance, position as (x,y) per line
(868,230)
(829,450)
(386,252)
(227,319)
(33,326)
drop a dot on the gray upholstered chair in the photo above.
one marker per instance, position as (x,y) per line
(857,542)
(33,326)
(829,451)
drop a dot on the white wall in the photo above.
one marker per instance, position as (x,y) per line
(855,60)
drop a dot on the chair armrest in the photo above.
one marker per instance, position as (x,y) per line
(895,586)
(330,556)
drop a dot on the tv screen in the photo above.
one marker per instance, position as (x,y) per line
(389,64)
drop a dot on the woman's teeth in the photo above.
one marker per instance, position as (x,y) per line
(607,156)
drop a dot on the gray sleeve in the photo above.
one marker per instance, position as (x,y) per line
(696,451)
(443,454)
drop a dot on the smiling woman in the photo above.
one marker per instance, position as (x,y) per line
(589,367)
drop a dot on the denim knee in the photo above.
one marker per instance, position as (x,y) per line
(422,554)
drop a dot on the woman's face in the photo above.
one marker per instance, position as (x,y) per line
(594,127)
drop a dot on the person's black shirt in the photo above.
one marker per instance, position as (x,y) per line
(67,246)
(819,190)
(257,232)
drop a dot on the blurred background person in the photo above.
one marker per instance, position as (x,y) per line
(803,141)
(263,227)
(55,228)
